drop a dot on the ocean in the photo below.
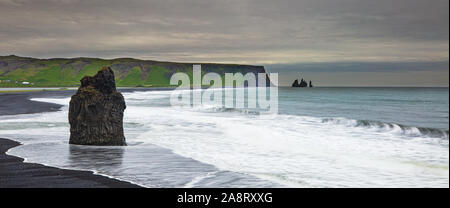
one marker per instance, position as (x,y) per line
(320,137)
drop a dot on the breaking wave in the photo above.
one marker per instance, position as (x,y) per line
(390,127)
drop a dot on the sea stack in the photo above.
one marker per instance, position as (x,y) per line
(96,111)
(302,83)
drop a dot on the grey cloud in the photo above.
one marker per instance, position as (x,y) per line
(238,31)
(361,67)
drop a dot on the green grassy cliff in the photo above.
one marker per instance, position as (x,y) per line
(60,72)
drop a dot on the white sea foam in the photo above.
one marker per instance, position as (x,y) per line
(290,150)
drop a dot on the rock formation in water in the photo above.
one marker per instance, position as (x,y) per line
(310,84)
(295,84)
(301,84)
(96,111)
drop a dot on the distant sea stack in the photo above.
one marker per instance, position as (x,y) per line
(96,111)
(302,83)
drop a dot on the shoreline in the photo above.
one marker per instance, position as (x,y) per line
(15,173)
(15,103)
(19,102)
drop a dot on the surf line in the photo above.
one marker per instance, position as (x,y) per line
(257,98)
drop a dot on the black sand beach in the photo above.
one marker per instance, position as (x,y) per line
(19,103)
(14,173)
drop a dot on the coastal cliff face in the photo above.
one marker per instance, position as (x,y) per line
(96,111)
(65,72)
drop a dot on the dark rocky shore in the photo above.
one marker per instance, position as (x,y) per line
(14,173)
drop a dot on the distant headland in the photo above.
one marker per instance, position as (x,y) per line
(16,71)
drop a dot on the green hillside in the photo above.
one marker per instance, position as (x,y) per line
(59,72)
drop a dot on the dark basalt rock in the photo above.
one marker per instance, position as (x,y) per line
(301,84)
(96,111)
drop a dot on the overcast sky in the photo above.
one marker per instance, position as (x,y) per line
(333,42)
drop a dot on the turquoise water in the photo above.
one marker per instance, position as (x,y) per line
(411,107)
(321,137)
